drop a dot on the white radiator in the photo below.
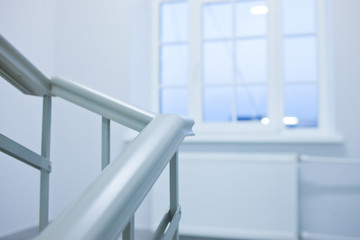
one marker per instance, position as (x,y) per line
(242,195)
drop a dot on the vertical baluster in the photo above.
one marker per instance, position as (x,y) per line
(105,149)
(129,232)
(174,189)
(45,152)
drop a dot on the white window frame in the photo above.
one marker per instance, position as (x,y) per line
(254,132)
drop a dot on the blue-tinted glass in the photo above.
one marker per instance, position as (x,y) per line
(300,59)
(301,102)
(299,16)
(251,62)
(217,20)
(174,21)
(174,101)
(217,104)
(174,65)
(218,62)
(251,103)
(251,18)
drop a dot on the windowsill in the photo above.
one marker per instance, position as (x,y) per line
(290,137)
(254,138)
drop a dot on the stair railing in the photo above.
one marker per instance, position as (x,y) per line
(23,75)
(107,207)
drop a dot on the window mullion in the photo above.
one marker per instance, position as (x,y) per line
(234,107)
(155,55)
(275,72)
(195,64)
(323,77)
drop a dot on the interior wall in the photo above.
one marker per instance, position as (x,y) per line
(98,44)
(90,37)
(89,42)
(331,192)
(346,37)
(28,25)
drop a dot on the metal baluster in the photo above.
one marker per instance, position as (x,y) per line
(45,152)
(174,189)
(129,232)
(105,155)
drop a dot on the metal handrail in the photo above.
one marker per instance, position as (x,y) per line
(23,75)
(108,205)
(104,209)
(20,72)
(111,108)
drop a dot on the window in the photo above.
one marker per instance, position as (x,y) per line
(243,66)
(234,62)
(173,58)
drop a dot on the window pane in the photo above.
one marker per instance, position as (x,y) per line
(218,62)
(251,62)
(174,65)
(173,21)
(299,16)
(251,18)
(217,20)
(174,101)
(217,104)
(300,59)
(301,105)
(251,103)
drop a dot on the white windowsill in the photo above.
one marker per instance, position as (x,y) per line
(259,138)
(282,138)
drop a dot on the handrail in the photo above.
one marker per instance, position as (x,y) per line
(104,209)
(102,104)
(20,72)
(108,205)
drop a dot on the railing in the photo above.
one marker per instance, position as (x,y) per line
(107,207)
(17,70)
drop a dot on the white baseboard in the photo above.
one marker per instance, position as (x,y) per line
(221,233)
(316,236)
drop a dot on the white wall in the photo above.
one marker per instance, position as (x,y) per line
(89,42)
(32,32)
(334,208)
(346,38)
(96,46)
